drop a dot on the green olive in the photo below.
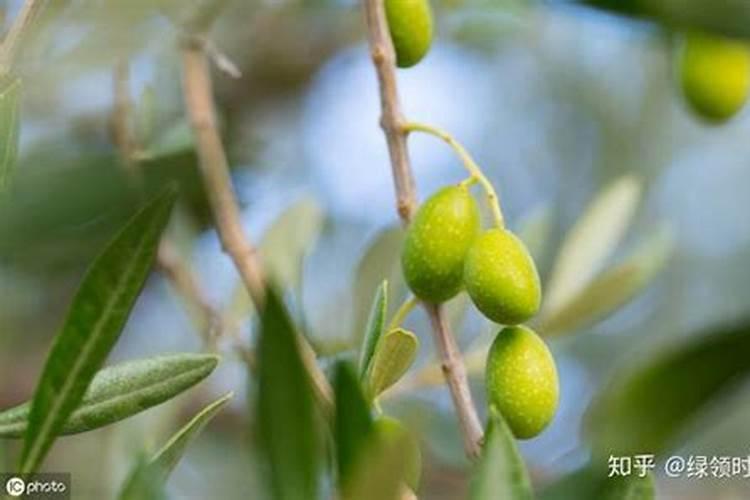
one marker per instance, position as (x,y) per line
(715,75)
(410,24)
(391,430)
(436,244)
(501,278)
(521,381)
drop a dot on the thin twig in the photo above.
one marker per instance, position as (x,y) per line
(198,94)
(12,41)
(168,260)
(392,122)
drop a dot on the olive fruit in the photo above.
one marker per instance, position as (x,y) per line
(714,75)
(410,24)
(501,277)
(521,380)
(390,430)
(433,256)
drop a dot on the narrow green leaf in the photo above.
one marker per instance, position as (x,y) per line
(500,473)
(143,483)
(352,421)
(380,261)
(611,290)
(167,458)
(120,391)
(10,108)
(289,435)
(726,17)
(375,325)
(650,405)
(592,240)
(93,324)
(393,356)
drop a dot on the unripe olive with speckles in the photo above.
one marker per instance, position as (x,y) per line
(411,27)
(714,75)
(391,430)
(501,278)
(521,381)
(436,243)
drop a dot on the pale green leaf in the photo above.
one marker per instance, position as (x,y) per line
(393,356)
(10,120)
(165,460)
(612,289)
(122,390)
(652,404)
(93,324)
(592,240)
(289,239)
(375,325)
(500,472)
(380,261)
(283,249)
(143,483)
(535,230)
(380,474)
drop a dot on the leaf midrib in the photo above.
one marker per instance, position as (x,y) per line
(88,346)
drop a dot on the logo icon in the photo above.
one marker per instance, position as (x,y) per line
(15,486)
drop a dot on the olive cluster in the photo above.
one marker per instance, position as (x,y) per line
(714,75)
(445,252)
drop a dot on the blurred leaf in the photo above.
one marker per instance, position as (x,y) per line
(165,460)
(650,405)
(95,320)
(380,261)
(143,483)
(10,104)
(380,475)
(593,483)
(393,356)
(612,289)
(633,487)
(534,230)
(728,17)
(288,430)
(592,240)
(352,422)
(375,325)
(65,206)
(288,240)
(283,249)
(120,391)
(145,116)
(500,473)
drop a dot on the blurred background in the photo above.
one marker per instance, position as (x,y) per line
(570,111)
